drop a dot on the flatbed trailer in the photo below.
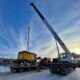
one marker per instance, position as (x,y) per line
(15,67)
(18,65)
(22,68)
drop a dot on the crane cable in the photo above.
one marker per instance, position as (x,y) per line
(57,48)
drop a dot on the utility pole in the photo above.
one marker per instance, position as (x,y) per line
(28,38)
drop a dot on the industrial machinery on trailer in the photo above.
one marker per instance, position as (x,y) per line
(65,62)
(25,61)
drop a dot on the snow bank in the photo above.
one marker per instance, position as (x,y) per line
(4,69)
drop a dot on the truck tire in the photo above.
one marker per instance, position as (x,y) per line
(21,70)
(52,69)
(65,71)
(12,69)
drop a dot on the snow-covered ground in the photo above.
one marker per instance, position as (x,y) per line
(4,69)
(43,75)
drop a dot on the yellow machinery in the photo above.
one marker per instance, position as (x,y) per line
(24,55)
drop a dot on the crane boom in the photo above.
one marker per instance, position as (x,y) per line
(55,35)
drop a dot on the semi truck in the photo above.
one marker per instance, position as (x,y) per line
(65,62)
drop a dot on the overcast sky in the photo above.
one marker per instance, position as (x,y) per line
(17,15)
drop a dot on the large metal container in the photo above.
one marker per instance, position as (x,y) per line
(29,56)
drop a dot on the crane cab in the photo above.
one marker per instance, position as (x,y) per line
(66,57)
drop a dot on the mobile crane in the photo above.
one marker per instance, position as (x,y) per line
(65,63)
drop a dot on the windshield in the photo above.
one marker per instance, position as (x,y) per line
(63,55)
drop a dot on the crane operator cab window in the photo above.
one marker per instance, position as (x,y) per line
(63,55)
(66,56)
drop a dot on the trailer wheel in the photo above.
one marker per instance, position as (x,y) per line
(21,70)
(52,69)
(12,69)
(74,68)
(67,71)
(17,70)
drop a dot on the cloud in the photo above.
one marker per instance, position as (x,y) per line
(63,18)
(49,49)
(15,42)
(65,22)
